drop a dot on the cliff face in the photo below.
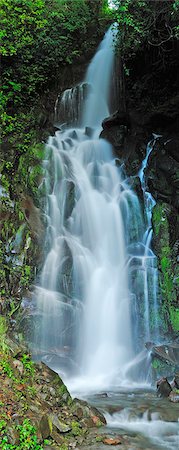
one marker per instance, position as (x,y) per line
(150,106)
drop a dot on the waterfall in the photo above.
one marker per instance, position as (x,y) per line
(92,285)
(151,272)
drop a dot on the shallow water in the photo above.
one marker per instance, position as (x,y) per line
(139,417)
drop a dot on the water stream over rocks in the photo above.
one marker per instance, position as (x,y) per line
(97,293)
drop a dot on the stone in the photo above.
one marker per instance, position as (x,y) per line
(33,216)
(45,426)
(101,395)
(60,426)
(57,438)
(163,387)
(117,119)
(112,441)
(168,353)
(89,412)
(176,380)
(52,391)
(18,365)
(174,396)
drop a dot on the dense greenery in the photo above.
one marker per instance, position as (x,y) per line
(151,22)
(38,37)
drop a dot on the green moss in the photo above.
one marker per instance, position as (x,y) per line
(76,428)
(158,218)
(174,317)
(167,272)
(157,364)
(99,438)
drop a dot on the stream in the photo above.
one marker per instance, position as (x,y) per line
(137,418)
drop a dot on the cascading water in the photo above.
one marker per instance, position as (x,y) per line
(92,279)
(151,273)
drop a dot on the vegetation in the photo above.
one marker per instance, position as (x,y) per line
(27,437)
(38,39)
(145,22)
(167,270)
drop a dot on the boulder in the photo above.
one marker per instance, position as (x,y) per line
(163,387)
(174,396)
(117,119)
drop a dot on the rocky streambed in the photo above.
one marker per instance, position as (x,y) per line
(136,419)
(38,412)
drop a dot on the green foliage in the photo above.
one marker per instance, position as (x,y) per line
(157,218)
(76,429)
(27,437)
(174,317)
(150,23)
(158,365)
(99,438)
(28,365)
(166,277)
(20,21)
(7,369)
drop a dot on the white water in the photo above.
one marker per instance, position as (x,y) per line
(161,434)
(151,273)
(87,306)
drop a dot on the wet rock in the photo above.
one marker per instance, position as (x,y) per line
(101,395)
(89,131)
(163,387)
(176,380)
(174,396)
(89,412)
(112,441)
(69,205)
(168,353)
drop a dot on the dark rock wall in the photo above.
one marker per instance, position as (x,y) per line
(152,106)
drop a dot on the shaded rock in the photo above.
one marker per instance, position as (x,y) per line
(15,348)
(89,131)
(117,119)
(69,205)
(57,438)
(176,380)
(50,425)
(88,412)
(45,426)
(163,387)
(33,216)
(19,366)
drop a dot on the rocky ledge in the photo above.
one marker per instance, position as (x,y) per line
(37,410)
